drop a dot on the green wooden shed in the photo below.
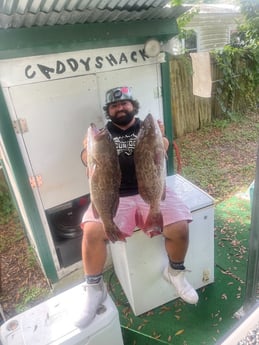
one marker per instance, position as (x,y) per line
(57,59)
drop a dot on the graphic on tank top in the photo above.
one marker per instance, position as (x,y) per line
(125,144)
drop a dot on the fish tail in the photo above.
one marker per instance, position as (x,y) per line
(154,223)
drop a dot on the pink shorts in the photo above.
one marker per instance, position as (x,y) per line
(172,208)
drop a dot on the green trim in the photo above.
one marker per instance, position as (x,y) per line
(60,38)
(20,175)
(166,93)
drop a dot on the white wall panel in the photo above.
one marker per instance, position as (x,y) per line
(57,114)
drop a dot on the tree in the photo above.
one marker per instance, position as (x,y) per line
(248,31)
(239,63)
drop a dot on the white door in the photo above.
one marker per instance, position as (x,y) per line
(57,115)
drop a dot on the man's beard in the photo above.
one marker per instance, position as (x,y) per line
(123,120)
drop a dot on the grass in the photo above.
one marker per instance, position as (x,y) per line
(22,283)
(29,296)
(7,207)
(221,157)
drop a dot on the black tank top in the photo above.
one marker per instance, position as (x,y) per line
(125,141)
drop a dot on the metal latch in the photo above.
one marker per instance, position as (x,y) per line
(36,181)
(20,126)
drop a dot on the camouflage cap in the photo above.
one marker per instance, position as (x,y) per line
(118,94)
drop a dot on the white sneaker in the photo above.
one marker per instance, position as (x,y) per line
(182,286)
(95,295)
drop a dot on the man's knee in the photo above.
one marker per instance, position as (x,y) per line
(93,231)
(178,230)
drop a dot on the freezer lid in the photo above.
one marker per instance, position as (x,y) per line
(51,322)
(194,197)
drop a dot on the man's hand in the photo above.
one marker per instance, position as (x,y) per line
(162,129)
(83,154)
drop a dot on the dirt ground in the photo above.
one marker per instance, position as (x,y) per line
(22,281)
(220,159)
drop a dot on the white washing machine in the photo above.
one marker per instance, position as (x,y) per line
(51,322)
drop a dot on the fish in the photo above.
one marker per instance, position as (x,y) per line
(104,179)
(149,158)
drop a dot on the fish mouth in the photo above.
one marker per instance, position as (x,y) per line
(99,135)
(94,129)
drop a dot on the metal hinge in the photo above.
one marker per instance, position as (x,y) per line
(20,126)
(36,181)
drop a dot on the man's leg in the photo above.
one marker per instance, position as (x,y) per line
(93,256)
(94,250)
(176,244)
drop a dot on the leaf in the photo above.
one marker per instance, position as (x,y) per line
(179,332)
(178,310)
(140,327)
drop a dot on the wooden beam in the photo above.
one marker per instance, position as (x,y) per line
(60,38)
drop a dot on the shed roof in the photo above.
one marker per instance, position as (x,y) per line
(29,13)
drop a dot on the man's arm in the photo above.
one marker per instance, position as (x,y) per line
(162,129)
(83,154)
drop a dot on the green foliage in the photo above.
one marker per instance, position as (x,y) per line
(184,19)
(236,90)
(250,28)
(176,2)
(30,296)
(7,207)
(31,258)
(239,64)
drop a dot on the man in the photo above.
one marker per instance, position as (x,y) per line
(121,109)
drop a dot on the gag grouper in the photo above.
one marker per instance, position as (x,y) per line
(104,179)
(149,157)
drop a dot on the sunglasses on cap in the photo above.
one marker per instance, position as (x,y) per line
(118,94)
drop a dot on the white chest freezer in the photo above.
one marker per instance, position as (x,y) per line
(139,262)
(51,322)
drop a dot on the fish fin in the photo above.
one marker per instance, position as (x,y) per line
(91,170)
(114,234)
(154,223)
(95,212)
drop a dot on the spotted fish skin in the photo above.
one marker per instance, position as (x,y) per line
(149,157)
(104,179)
